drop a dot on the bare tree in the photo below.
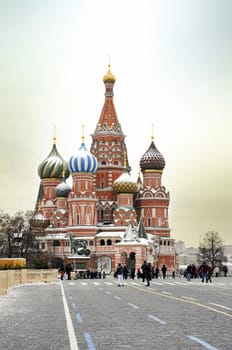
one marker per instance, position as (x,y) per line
(8,229)
(211,249)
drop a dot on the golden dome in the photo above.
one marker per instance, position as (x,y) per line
(109,77)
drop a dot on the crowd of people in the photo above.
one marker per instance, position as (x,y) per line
(65,273)
(147,272)
(204,271)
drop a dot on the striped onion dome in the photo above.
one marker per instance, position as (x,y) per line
(82,161)
(152,159)
(124,184)
(63,189)
(53,166)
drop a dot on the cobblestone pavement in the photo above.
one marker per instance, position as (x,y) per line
(170,314)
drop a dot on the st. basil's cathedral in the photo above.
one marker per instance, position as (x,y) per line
(104,218)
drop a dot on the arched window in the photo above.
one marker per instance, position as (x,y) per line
(109,242)
(102,242)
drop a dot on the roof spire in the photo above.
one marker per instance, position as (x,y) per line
(54,137)
(152,136)
(83,137)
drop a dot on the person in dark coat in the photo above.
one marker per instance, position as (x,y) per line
(62,271)
(68,270)
(119,274)
(203,269)
(164,270)
(143,267)
(148,271)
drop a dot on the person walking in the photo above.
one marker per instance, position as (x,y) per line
(143,268)
(203,269)
(62,272)
(125,272)
(164,270)
(157,272)
(189,272)
(119,274)
(148,271)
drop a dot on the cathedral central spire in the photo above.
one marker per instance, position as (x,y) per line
(108,121)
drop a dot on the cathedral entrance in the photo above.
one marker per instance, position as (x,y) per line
(131,261)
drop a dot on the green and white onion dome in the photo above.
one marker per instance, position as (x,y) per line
(124,184)
(53,166)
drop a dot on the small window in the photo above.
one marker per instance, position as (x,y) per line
(102,242)
(109,242)
(56,243)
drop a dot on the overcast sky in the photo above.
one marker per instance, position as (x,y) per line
(173,66)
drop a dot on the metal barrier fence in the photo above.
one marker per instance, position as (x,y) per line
(11,278)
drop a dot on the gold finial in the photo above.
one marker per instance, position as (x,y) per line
(109,76)
(83,137)
(152,137)
(54,137)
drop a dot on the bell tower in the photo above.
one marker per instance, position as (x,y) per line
(108,146)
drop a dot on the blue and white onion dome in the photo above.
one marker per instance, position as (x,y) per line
(82,161)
